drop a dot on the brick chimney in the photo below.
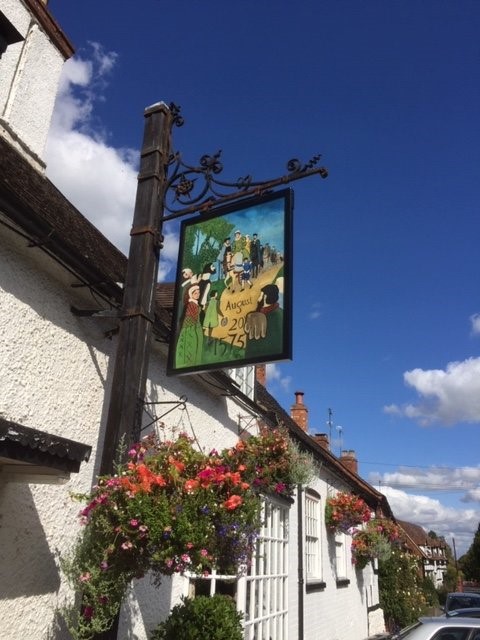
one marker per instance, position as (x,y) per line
(261,374)
(322,440)
(299,411)
(349,460)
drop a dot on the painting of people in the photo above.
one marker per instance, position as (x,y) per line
(233,286)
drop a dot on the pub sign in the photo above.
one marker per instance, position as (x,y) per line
(233,286)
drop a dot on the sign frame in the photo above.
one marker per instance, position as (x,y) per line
(233,286)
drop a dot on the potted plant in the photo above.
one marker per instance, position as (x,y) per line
(345,511)
(169,509)
(374,542)
(215,618)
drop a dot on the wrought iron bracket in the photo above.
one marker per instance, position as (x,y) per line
(192,189)
(181,402)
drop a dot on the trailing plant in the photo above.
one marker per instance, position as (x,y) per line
(169,509)
(375,540)
(401,597)
(215,618)
(345,511)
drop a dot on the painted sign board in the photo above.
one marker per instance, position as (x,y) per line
(233,286)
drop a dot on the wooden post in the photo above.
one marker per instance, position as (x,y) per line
(137,314)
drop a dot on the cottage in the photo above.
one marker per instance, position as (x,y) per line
(61,286)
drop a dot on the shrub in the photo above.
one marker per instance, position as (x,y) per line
(215,618)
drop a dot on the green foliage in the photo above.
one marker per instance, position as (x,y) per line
(429,592)
(401,596)
(215,618)
(470,562)
(170,509)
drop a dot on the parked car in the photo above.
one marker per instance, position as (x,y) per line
(461,600)
(471,612)
(441,628)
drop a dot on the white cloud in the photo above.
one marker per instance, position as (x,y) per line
(446,396)
(316,311)
(274,374)
(475,322)
(98,178)
(454,524)
(464,479)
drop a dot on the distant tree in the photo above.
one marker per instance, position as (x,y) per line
(470,562)
(432,534)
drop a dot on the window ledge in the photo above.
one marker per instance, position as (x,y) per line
(343,582)
(315,585)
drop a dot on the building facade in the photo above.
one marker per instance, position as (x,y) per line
(56,364)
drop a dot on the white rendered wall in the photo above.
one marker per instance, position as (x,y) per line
(54,371)
(29,76)
(336,612)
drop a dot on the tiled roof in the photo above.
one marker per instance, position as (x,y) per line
(33,203)
(419,536)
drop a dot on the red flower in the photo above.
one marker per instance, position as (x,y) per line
(233,502)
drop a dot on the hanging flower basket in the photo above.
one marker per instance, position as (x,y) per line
(170,509)
(346,511)
(374,541)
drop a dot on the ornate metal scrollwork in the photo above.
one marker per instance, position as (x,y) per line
(197,188)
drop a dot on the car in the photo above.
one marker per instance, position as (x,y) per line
(441,628)
(461,600)
(470,612)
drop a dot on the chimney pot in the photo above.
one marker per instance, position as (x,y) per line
(299,412)
(322,440)
(349,460)
(261,374)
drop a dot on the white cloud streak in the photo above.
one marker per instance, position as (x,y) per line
(274,375)
(447,396)
(475,322)
(98,178)
(459,525)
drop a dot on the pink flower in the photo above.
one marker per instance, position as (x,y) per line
(85,577)
(88,612)
(204,553)
(127,545)
(185,557)
(134,522)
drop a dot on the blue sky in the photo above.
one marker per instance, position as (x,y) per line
(386,262)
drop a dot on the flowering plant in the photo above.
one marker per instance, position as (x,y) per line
(345,511)
(374,541)
(169,509)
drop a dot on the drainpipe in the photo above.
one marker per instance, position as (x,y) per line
(301,579)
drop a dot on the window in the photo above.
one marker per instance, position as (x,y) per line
(312,536)
(341,556)
(212,584)
(245,378)
(266,594)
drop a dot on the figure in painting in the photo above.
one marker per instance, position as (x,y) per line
(255,254)
(212,313)
(246,273)
(190,339)
(264,327)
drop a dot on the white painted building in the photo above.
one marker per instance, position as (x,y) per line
(55,380)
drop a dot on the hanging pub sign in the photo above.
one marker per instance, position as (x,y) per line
(233,286)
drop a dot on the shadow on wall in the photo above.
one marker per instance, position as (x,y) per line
(27,566)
